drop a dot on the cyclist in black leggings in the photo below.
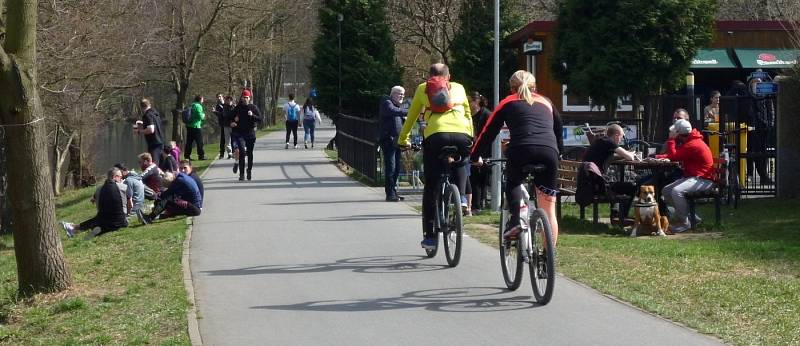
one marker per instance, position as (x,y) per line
(449,127)
(535,128)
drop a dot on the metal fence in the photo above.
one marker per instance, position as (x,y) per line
(757,147)
(357,145)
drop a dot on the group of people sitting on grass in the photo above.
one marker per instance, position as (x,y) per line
(173,192)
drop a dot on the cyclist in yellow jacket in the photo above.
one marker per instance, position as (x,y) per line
(450,126)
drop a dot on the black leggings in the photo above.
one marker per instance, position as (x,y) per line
(434,168)
(249,143)
(291,128)
(545,181)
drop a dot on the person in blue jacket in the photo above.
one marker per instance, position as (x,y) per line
(391,118)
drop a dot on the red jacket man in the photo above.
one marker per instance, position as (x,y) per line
(688,148)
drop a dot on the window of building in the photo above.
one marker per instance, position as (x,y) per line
(576,103)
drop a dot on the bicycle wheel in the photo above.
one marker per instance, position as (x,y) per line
(510,256)
(542,263)
(453,232)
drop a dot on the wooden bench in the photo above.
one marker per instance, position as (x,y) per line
(715,192)
(567,181)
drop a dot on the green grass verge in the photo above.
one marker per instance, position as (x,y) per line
(127,285)
(739,281)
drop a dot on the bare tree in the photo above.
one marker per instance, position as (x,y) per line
(428,25)
(40,258)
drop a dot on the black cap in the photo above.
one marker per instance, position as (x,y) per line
(121,166)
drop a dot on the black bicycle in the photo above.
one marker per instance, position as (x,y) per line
(447,216)
(533,244)
(730,155)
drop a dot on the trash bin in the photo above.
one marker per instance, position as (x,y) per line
(713,143)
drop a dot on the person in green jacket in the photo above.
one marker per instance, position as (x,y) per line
(194,130)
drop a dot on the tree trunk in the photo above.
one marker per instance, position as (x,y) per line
(5,211)
(59,156)
(40,258)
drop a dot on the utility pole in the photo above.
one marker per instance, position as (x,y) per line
(496,154)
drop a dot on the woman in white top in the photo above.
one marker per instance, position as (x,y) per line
(711,112)
(310,118)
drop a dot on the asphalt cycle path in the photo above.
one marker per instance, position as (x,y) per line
(303,255)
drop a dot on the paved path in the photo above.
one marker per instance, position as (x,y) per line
(302,255)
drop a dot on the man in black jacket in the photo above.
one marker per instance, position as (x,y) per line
(392,116)
(150,127)
(246,117)
(113,200)
(220,110)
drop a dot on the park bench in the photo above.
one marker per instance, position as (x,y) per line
(567,180)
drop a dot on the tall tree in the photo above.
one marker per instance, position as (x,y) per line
(40,258)
(473,45)
(611,48)
(368,67)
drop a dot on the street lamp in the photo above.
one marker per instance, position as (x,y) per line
(339,19)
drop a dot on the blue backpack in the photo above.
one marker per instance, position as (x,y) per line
(291,112)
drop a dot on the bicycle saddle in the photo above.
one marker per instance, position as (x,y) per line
(448,151)
(533,168)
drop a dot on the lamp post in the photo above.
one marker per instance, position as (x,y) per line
(496,174)
(339,19)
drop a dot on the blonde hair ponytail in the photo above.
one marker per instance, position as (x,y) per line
(523,82)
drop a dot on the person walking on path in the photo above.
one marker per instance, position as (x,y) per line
(310,119)
(292,110)
(246,117)
(194,129)
(391,117)
(449,123)
(224,127)
(150,127)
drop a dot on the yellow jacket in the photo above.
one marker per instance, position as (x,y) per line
(458,119)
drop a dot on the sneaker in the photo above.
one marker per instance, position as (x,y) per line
(95,232)
(295,146)
(679,228)
(68,228)
(221,156)
(249,176)
(305,144)
(230,156)
(235,167)
(429,243)
(466,211)
(312,144)
(142,218)
(512,233)
(241,177)
(287,146)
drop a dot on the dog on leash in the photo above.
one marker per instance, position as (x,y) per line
(648,219)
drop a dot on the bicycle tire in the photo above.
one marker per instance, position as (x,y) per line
(542,263)
(510,256)
(453,233)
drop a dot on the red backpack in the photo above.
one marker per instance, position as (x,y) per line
(438,91)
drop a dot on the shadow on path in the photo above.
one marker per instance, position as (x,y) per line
(472,299)
(377,264)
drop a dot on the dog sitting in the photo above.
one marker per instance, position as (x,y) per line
(648,218)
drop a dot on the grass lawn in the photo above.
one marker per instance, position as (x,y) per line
(127,285)
(740,281)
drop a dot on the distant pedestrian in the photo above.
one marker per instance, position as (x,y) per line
(479,175)
(246,117)
(194,129)
(391,116)
(292,115)
(150,127)
(310,119)
(224,127)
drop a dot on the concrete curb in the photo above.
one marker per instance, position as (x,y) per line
(191,314)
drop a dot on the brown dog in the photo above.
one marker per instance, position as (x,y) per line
(648,218)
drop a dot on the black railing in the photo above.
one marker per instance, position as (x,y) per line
(357,144)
